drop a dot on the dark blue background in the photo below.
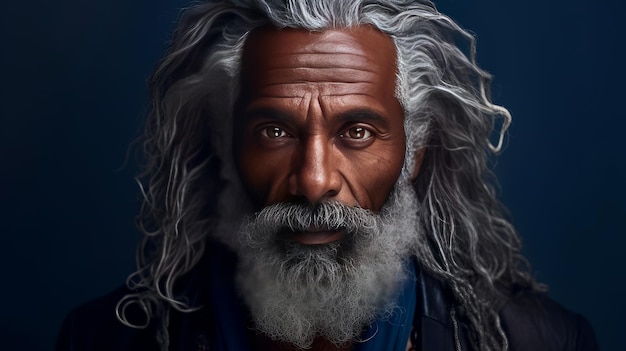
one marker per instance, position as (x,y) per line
(73,92)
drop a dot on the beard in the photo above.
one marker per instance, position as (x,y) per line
(298,292)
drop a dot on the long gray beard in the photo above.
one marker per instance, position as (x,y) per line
(297,292)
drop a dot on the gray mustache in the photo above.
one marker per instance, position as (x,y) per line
(300,217)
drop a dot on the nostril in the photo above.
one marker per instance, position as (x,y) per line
(315,187)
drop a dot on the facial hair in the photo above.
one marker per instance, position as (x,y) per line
(298,292)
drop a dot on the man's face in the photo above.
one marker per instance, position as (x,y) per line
(319,145)
(317,119)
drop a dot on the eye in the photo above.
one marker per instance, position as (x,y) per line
(274,132)
(357,133)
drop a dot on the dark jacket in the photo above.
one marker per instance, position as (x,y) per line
(532,322)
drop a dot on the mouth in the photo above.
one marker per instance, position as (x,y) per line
(316,236)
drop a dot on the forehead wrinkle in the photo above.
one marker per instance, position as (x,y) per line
(322,94)
(297,89)
(307,58)
(329,67)
(315,75)
(324,68)
(334,65)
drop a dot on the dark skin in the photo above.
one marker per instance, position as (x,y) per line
(317,120)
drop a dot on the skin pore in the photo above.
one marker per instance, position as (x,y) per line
(317,119)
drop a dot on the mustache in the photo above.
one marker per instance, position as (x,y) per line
(302,217)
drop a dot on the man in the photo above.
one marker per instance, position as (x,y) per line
(317,179)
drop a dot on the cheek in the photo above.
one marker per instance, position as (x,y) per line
(374,174)
(259,171)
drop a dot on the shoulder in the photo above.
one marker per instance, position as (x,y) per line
(94,326)
(533,321)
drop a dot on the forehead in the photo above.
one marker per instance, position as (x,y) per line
(287,58)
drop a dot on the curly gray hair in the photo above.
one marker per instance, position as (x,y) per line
(469,243)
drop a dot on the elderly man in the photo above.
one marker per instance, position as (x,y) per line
(317,179)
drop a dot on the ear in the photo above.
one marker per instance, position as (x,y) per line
(419,158)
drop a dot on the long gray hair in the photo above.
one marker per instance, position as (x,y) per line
(469,244)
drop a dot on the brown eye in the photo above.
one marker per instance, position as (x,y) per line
(274,132)
(358,133)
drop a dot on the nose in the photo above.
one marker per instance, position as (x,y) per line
(315,176)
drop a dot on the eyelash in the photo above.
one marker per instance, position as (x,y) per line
(360,130)
(266,132)
(362,133)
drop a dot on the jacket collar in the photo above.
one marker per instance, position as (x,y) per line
(436,317)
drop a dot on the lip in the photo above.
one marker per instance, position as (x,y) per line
(317,237)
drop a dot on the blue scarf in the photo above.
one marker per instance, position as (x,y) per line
(231,334)
(392,333)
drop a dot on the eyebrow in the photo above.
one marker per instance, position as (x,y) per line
(266,112)
(365,115)
(353,115)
